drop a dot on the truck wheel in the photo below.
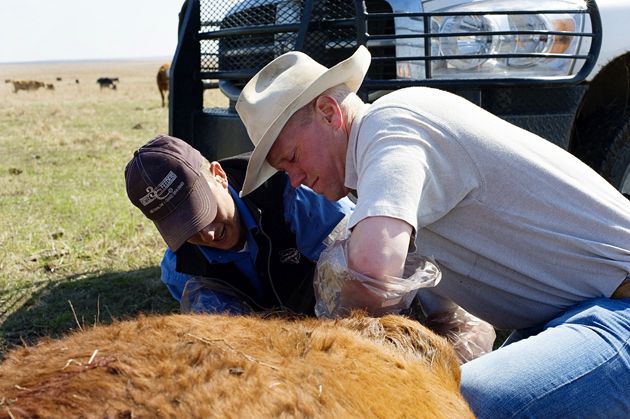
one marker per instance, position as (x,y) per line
(616,166)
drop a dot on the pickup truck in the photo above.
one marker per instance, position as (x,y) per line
(558,68)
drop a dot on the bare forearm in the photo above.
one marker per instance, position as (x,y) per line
(378,247)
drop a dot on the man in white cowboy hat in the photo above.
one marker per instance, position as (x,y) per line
(527,236)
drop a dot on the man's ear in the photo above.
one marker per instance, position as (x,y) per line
(329,109)
(219,175)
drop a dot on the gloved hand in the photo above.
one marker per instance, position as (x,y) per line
(339,289)
(205,295)
(471,337)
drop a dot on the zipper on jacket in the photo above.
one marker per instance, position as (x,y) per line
(273,288)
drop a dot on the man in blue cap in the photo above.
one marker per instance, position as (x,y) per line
(225,253)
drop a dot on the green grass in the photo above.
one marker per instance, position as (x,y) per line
(74,250)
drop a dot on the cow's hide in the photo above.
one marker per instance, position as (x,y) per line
(162,80)
(226,366)
(25,85)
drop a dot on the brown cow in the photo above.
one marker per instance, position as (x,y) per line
(162,80)
(26,85)
(227,366)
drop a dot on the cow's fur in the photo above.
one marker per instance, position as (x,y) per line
(25,85)
(162,81)
(222,366)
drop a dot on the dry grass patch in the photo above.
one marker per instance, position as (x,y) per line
(64,214)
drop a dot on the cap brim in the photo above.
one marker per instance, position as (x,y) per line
(191,215)
(350,72)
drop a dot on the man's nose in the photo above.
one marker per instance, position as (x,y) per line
(208,234)
(296,176)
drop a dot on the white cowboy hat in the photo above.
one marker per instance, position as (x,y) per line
(281,88)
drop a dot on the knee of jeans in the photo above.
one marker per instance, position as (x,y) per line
(489,392)
(482,393)
(483,403)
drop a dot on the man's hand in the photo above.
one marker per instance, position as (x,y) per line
(471,337)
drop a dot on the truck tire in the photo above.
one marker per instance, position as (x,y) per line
(616,166)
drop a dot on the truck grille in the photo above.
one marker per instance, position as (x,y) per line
(238,38)
(236,42)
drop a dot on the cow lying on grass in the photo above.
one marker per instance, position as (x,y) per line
(225,366)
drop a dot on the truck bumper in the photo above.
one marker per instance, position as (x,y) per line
(547,111)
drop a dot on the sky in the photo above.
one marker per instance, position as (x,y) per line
(59,30)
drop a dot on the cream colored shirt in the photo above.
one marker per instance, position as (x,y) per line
(521,229)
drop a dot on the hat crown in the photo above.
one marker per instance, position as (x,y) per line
(165,180)
(281,88)
(161,175)
(274,88)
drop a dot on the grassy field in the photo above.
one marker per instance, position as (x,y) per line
(75,252)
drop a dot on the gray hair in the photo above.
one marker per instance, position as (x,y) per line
(348,101)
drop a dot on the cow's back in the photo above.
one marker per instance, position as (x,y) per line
(204,366)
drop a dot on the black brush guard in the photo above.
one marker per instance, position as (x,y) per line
(220,46)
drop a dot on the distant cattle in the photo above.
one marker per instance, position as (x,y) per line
(107,82)
(162,80)
(200,366)
(50,86)
(58,78)
(26,85)
(76,81)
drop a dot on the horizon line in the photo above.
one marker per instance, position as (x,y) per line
(83,60)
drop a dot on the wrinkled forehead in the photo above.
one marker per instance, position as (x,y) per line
(281,148)
(290,133)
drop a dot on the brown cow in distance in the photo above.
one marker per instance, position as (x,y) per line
(205,366)
(25,85)
(162,80)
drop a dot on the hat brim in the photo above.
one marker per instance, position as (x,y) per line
(193,214)
(350,72)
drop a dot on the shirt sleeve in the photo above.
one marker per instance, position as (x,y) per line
(312,218)
(409,169)
(174,281)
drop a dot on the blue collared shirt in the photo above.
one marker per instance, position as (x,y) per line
(244,259)
(311,217)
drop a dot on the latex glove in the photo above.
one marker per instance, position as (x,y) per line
(339,289)
(470,336)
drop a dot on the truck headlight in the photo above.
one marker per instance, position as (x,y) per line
(500,39)
(471,45)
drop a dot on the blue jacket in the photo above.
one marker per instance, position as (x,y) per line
(286,228)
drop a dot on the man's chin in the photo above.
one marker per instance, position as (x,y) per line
(335,196)
(240,243)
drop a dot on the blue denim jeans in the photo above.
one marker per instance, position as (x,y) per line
(575,366)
